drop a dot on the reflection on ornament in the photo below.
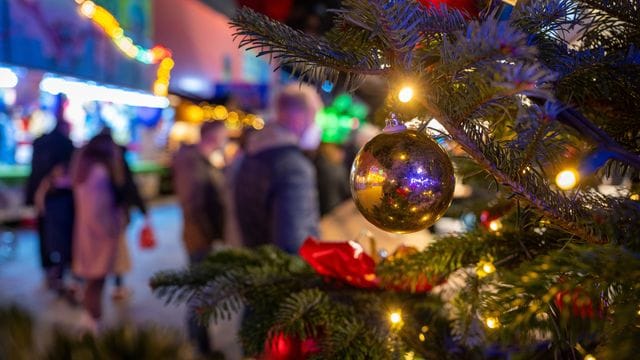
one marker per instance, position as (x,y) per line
(567,179)
(402,181)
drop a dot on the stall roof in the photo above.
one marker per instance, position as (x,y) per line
(203,48)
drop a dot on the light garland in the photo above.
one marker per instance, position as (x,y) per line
(206,112)
(110,25)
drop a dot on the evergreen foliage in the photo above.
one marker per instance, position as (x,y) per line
(515,95)
(17,342)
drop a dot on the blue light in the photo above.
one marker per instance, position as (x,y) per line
(327,86)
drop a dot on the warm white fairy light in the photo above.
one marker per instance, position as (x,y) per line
(405,94)
(567,179)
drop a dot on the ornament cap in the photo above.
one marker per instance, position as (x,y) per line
(393,125)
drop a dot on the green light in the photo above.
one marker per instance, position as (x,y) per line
(340,118)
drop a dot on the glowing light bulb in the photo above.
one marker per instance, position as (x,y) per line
(589,357)
(495,225)
(422,338)
(406,94)
(488,268)
(634,197)
(567,179)
(88,8)
(492,322)
(8,78)
(395,317)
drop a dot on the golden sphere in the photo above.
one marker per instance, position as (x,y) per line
(402,181)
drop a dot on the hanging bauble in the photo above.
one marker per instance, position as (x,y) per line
(402,181)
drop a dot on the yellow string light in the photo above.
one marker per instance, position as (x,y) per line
(495,225)
(567,179)
(395,317)
(485,268)
(492,322)
(405,94)
(589,357)
(110,25)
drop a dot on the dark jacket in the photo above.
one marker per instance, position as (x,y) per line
(130,194)
(333,183)
(49,150)
(275,192)
(196,183)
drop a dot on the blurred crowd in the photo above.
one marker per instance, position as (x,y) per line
(273,191)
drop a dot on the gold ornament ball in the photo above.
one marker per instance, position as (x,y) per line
(402,181)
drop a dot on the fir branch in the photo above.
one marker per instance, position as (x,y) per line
(451,253)
(584,276)
(311,57)
(399,26)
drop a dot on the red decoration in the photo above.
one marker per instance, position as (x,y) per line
(581,304)
(468,6)
(278,10)
(283,347)
(147,237)
(346,261)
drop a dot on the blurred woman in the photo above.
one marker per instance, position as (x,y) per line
(99,247)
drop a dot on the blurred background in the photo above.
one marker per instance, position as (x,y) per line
(153,71)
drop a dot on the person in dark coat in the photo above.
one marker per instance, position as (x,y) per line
(333,177)
(198,185)
(275,191)
(51,150)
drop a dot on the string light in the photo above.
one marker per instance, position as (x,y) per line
(82,91)
(405,94)
(422,338)
(233,119)
(395,317)
(110,25)
(567,179)
(492,322)
(495,225)
(589,357)
(485,268)
(634,197)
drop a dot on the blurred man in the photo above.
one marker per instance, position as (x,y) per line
(275,192)
(197,184)
(50,151)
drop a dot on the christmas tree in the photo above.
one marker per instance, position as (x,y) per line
(543,97)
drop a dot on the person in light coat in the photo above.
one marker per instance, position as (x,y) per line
(99,247)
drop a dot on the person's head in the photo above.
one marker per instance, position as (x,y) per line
(100,150)
(213,136)
(296,108)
